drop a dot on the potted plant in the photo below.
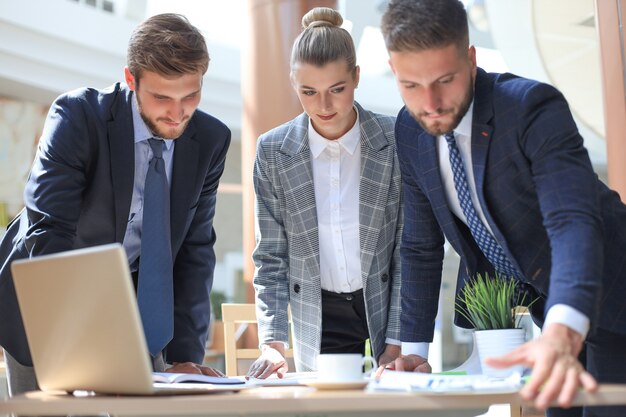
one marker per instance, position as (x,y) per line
(488,303)
(215,340)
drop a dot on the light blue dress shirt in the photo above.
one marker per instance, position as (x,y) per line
(143,155)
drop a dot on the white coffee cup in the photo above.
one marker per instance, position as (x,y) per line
(342,367)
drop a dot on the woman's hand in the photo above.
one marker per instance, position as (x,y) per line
(272,360)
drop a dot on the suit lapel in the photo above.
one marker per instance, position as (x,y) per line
(295,171)
(480,148)
(481,136)
(377,162)
(184,170)
(122,157)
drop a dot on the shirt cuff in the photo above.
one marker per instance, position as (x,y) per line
(420,349)
(391,341)
(568,316)
(275,341)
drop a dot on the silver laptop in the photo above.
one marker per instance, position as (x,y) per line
(83,325)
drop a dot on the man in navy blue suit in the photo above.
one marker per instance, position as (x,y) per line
(86,188)
(497,158)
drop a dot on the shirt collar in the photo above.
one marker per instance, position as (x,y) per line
(465,125)
(349,141)
(140,129)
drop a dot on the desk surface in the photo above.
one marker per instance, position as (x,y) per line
(300,401)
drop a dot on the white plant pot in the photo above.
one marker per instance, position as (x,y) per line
(493,343)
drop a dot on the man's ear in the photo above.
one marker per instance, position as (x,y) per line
(393,70)
(129,78)
(471,55)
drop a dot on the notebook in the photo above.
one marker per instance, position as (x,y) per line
(83,326)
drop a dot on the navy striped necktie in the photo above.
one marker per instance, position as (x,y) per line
(486,242)
(155,294)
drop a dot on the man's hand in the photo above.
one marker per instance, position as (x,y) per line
(193,368)
(557,373)
(389,355)
(410,363)
(272,360)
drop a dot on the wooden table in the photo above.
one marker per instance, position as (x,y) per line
(287,401)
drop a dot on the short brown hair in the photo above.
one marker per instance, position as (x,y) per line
(416,25)
(323,40)
(168,45)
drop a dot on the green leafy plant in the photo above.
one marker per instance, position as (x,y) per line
(217,298)
(488,303)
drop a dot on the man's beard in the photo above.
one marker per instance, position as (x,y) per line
(165,134)
(437,128)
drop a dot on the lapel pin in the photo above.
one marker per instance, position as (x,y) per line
(485,134)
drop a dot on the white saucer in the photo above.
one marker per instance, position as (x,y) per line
(335,385)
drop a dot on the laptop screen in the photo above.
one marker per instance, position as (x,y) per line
(82,322)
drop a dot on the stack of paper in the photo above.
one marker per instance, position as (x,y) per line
(290,378)
(413,381)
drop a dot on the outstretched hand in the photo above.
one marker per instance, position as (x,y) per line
(557,374)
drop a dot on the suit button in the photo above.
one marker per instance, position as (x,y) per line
(385,277)
(296,288)
(349,297)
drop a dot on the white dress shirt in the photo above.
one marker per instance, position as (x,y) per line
(559,313)
(336,168)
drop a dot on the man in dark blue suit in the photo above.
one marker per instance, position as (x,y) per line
(497,158)
(86,188)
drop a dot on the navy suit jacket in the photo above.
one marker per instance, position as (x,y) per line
(557,222)
(79,192)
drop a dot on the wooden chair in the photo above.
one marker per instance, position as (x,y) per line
(236,318)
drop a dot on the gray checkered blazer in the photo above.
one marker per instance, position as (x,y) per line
(287,251)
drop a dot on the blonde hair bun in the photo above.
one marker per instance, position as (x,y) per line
(321,16)
(323,40)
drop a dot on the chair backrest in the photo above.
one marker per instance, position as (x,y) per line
(235,316)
